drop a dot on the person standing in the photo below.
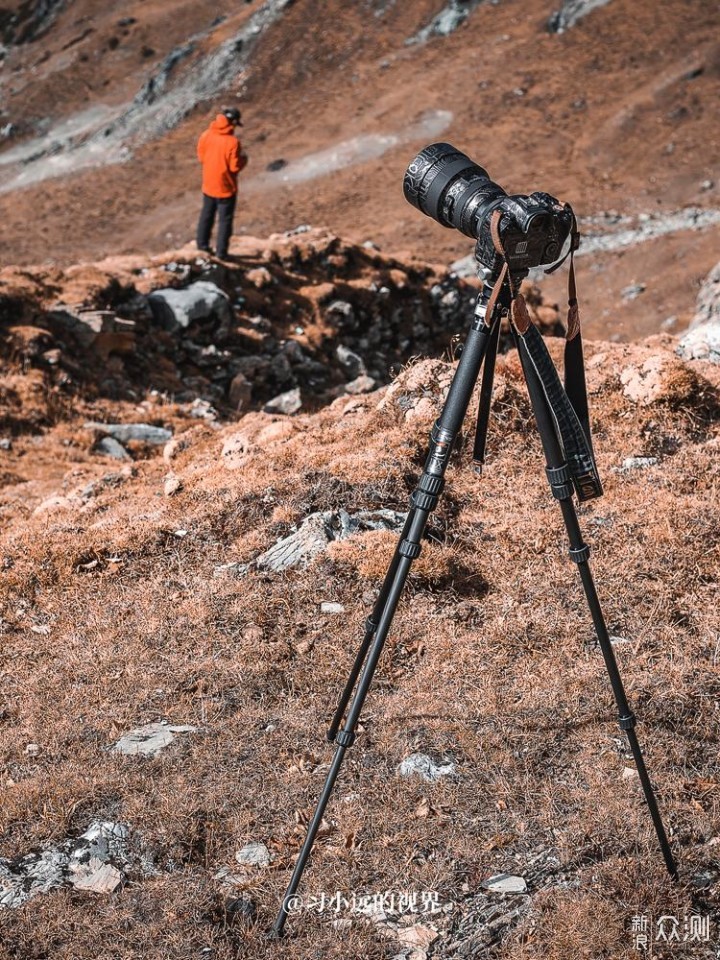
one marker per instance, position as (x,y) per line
(222,158)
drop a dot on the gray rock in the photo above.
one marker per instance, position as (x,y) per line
(286,403)
(636,463)
(421,765)
(362,384)
(702,341)
(240,392)
(505,883)
(253,854)
(320,529)
(202,300)
(150,739)
(447,21)
(354,364)
(328,606)
(125,432)
(92,862)
(633,291)
(110,447)
(571,12)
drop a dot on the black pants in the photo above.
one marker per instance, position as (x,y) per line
(225,209)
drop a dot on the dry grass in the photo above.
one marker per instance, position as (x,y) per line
(491,664)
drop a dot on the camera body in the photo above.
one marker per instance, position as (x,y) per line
(532,230)
(445,184)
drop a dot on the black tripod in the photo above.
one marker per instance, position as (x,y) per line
(564,433)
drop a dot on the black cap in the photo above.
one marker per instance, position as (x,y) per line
(233,115)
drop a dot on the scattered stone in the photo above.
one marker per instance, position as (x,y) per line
(202,300)
(240,392)
(32,750)
(93,862)
(5,443)
(254,854)
(285,403)
(453,15)
(629,773)
(235,451)
(417,935)
(421,765)
(505,883)
(173,485)
(354,364)
(361,384)
(636,463)
(328,606)
(320,529)
(125,432)
(571,12)
(150,739)
(702,341)
(661,378)
(104,879)
(259,277)
(109,447)
(633,291)
(173,447)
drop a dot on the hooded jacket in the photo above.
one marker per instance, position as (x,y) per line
(219,152)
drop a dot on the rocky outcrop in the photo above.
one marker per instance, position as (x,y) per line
(702,341)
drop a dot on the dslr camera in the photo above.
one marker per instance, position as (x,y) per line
(445,184)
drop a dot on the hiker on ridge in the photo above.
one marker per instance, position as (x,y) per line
(222,159)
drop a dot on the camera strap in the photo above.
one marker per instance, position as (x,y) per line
(567,404)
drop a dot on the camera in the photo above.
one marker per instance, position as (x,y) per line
(445,184)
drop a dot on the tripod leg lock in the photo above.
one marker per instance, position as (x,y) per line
(580,554)
(408,549)
(423,501)
(345,738)
(628,722)
(559,480)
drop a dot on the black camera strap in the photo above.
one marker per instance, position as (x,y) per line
(568,405)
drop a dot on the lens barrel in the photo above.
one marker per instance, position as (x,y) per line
(445,184)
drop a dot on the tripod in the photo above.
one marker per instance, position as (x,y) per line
(570,468)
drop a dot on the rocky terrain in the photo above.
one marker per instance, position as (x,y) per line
(609,105)
(204,472)
(204,467)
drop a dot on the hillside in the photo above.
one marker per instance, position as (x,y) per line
(167,680)
(102,106)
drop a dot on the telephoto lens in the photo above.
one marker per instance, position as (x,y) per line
(445,184)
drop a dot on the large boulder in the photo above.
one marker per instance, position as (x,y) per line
(202,300)
(702,340)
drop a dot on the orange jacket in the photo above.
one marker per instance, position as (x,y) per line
(219,152)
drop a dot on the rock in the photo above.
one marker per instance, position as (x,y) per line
(505,883)
(571,12)
(259,277)
(629,773)
(633,291)
(32,750)
(235,451)
(636,463)
(702,341)
(661,378)
(109,447)
(125,432)
(421,765)
(105,879)
(417,935)
(286,403)
(350,361)
(328,606)
(172,485)
(361,384)
(150,739)
(53,505)
(173,447)
(253,854)
(240,392)
(202,300)
(318,530)
(90,862)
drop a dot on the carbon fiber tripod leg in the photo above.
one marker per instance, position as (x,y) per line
(562,489)
(422,503)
